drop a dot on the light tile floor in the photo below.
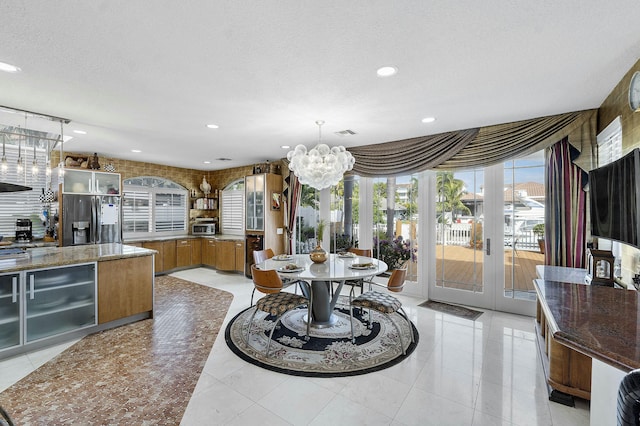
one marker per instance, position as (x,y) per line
(483,372)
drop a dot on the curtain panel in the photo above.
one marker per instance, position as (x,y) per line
(502,142)
(409,156)
(481,147)
(291,194)
(565,212)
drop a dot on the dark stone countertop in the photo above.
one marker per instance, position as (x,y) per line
(600,322)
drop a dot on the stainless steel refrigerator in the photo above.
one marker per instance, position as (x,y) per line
(91,219)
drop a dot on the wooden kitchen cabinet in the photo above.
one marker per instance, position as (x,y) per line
(239,249)
(169,255)
(125,288)
(158,257)
(209,252)
(183,253)
(226,255)
(196,252)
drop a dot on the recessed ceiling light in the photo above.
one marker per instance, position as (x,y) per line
(285,146)
(207,162)
(136,150)
(386,71)
(428,119)
(212,126)
(80,132)
(9,68)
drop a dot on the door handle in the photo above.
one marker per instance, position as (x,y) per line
(14,283)
(31,286)
(488,247)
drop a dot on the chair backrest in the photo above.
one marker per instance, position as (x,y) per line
(260,256)
(396,280)
(266,281)
(361,252)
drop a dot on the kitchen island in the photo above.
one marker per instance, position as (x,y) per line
(590,335)
(52,294)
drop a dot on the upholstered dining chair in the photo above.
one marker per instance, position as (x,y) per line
(356,283)
(384,303)
(276,302)
(260,256)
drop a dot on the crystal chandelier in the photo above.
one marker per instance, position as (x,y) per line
(321,167)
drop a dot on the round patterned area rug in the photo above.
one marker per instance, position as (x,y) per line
(329,351)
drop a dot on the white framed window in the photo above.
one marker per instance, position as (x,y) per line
(232,208)
(153,205)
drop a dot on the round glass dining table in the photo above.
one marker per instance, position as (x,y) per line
(317,279)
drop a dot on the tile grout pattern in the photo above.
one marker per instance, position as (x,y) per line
(112,376)
(483,372)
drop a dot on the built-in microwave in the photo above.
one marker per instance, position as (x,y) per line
(203,228)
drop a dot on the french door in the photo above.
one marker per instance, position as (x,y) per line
(485,248)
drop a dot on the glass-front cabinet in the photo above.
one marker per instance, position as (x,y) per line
(254,212)
(59,300)
(90,182)
(9,310)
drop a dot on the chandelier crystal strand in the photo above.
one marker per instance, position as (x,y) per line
(320,167)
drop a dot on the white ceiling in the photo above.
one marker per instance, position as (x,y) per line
(150,75)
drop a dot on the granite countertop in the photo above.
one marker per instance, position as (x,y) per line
(47,257)
(600,322)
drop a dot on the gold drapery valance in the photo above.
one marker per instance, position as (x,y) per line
(479,147)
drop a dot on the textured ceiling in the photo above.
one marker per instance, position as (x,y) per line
(150,75)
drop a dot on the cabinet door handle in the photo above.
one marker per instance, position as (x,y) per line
(14,284)
(31,286)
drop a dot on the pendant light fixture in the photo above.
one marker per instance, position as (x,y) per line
(34,165)
(322,166)
(61,163)
(4,166)
(47,167)
(20,166)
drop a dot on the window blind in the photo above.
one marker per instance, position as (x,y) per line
(232,211)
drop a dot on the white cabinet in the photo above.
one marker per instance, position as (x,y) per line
(90,182)
(10,310)
(39,304)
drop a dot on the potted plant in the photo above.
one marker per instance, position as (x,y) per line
(318,254)
(538,231)
(395,252)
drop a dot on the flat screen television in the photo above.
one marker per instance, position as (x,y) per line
(615,200)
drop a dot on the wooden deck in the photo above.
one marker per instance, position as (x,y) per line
(459,270)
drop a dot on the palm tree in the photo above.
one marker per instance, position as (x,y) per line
(450,191)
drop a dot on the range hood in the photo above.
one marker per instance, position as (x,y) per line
(11,187)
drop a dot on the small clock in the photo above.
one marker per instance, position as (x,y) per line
(634,92)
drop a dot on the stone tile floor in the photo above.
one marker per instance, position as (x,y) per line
(483,372)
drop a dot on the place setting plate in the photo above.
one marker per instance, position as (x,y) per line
(282,257)
(291,268)
(347,255)
(361,266)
